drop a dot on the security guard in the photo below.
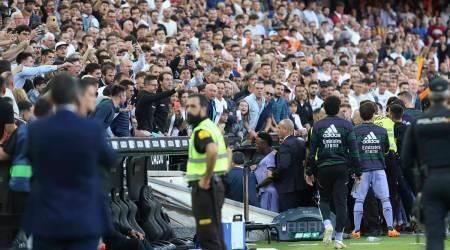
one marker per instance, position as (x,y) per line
(426,151)
(208,161)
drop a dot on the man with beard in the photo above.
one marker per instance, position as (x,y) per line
(208,161)
(315,101)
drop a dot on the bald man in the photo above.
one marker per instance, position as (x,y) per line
(211,93)
(288,177)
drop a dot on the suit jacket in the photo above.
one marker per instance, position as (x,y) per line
(67,198)
(289,174)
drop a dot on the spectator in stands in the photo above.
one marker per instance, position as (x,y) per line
(279,107)
(26,70)
(39,84)
(121,124)
(256,103)
(105,111)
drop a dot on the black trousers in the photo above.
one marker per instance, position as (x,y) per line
(45,243)
(332,182)
(436,198)
(371,217)
(207,210)
(118,241)
(393,173)
(302,198)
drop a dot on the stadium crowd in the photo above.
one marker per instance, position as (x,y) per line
(257,62)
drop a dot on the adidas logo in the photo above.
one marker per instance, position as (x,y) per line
(371,138)
(331,131)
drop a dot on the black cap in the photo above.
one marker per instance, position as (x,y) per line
(438,85)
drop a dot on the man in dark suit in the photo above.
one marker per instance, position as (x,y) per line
(67,208)
(234,181)
(289,174)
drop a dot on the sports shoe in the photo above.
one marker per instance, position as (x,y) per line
(328,234)
(356,234)
(339,244)
(393,233)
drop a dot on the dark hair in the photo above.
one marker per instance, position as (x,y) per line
(22,28)
(91,67)
(45,52)
(106,67)
(405,94)
(86,82)
(117,90)
(5,65)
(126,83)
(202,99)
(367,110)
(42,107)
(140,74)
(403,83)
(24,106)
(397,111)
(266,137)
(238,158)
(64,89)
(149,78)
(293,102)
(313,83)
(38,80)
(161,76)
(331,105)
(394,100)
(22,56)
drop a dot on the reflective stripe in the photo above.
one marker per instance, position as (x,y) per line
(21,171)
(219,157)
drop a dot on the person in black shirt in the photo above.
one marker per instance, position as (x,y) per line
(162,105)
(304,109)
(6,114)
(147,100)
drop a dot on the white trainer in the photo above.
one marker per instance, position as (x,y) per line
(339,244)
(328,234)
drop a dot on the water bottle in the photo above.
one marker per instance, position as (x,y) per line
(373,239)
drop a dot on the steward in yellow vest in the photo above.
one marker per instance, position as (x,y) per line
(208,161)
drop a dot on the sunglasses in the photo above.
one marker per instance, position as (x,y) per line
(268,93)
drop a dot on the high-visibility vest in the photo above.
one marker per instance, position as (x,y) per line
(387,124)
(20,168)
(196,165)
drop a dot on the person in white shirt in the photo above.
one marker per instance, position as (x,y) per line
(325,74)
(220,102)
(160,34)
(345,91)
(255,28)
(358,93)
(310,13)
(398,53)
(171,26)
(314,100)
(343,68)
(381,94)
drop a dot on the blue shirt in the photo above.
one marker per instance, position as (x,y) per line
(254,110)
(104,113)
(30,72)
(235,186)
(120,126)
(279,109)
(261,171)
